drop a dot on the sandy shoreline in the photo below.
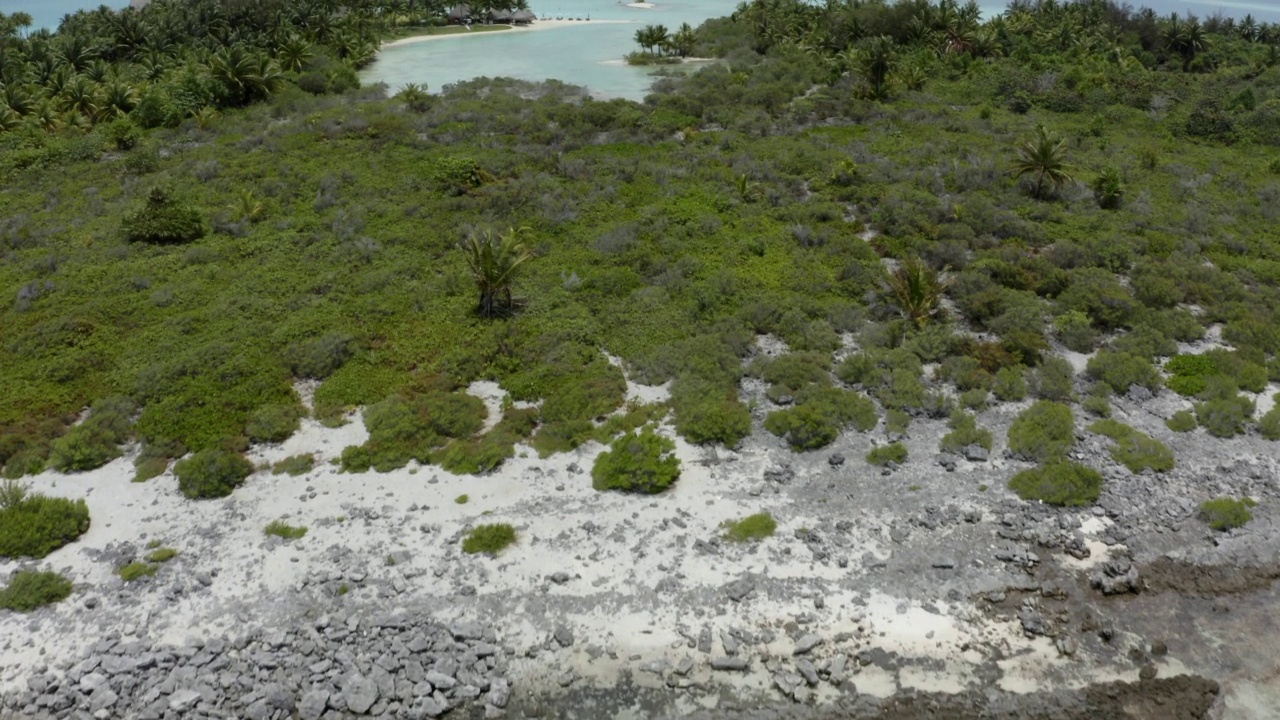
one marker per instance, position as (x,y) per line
(539,25)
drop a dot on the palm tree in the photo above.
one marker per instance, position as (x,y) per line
(1044,159)
(916,290)
(683,41)
(875,59)
(495,261)
(245,75)
(293,53)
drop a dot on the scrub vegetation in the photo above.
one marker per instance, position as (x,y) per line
(194,221)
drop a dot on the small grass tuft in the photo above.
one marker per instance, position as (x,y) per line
(30,589)
(489,539)
(136,571)
(162,555)
(751,528)
(462,499)
(281,529)
(294,465)
(1224,513)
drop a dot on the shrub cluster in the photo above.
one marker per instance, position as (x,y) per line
(294,465)
(211,473)
(96,441)
(1044,431)
(1182,421)
(403,428)
(1222,410)
(1133,449)
(751,528)
(1224,513)
(34,525)
(31,589)
(895,453)
(1059,482)
(490,539)
(273,423)
(135,571)
(641,462)
(965,432)
(1121,370)
(1189,374)
(164,218)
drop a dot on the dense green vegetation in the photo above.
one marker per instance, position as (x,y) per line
(1070,173)
(1134,449)
(30,589)
(643,462)
(1059,482)
(34,525)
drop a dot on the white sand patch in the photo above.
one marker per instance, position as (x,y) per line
(493,396)
(770,345)
(638,394)
(1079,361)
(537,26)
(1266,399)
(642,5)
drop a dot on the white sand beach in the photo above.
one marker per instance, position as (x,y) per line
(537,26)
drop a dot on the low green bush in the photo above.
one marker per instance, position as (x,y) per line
(135,571)
(34,525)
(282,529)
(211,473)
(896,422)
(641,462)
(294,465)
(477,455)
(966,372)
(751,528)
(819,416)
(1133,449)
(1120,370)
(1225,513)
(1182,421)
(1223,412)
(147,468)
(1043,431)
(273,423)
(1096,405)
(790,373)
(965,432)
(1059,482)
(1269,424)
(1187,373)
(1075,330)
(490,539)
(892,453)
(96,441)
(164,218)
(1054,379)
(975,399)
(1010,384)
(462,499)
(31,589)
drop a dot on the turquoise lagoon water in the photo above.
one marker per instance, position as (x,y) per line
(590,54)
(48,13)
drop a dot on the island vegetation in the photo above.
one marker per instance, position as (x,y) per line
(203,208)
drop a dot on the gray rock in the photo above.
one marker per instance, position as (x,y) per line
(975,453)
(729,642)
(739,589)
(836,460)
(807,671)
(440,680)
(807,643)
(360,694)
(259,710)
(736,663)
(499,693)
(426,707)
(563,635)
(279,697)
(102,699)
(559,577)
(88,683)
(183,700)
(684,666)
(116,665)
(1033,623)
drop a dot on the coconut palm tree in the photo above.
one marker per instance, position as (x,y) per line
(495,261)
(683,40)
(1043,158)
(916,290)
(875,58)
(293,53)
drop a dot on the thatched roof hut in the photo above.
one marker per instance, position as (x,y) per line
(460,13)
(523,17)
(500,16)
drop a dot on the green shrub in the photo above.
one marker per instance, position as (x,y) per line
(1098,294)
(892,453)
(966,372)
(788,374)
(1096,405)
(320,357)
(294,465)
(147,468)
(1054,379)
(965,432)
(281,529)
(1182,421)
(1269,424)
(136,571)
(31,589)
(96,441)
(211,473)
(1133,449)
(1059,482)
(1043,431)
(1224,513)
(1120,370)
(405,428)
(273,423)
(163,219)
(124,134)
(716,417)
(161,555)
(1223,412)
(34,525)
(820,414)
(896,422)
(751,528)
(462,499)
(639,463)
(1188,373)
(490,539)
(975,399)
(1076,331)
(1010,384)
